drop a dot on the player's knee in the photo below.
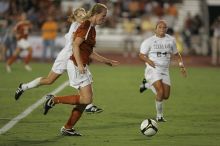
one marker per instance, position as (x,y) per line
(80,108)
(166,97)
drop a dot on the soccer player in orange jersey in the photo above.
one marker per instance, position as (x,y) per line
(60,64)
(78,70)
(21,31)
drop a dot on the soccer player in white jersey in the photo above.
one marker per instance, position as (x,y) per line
(156,52)
(60,64)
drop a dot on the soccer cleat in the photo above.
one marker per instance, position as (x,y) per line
(48,104)
(142,86)
(69,132)
(28,68)
(18,92)
(161,119)
(93,109)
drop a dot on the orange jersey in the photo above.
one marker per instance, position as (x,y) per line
(87,32)
(22,29)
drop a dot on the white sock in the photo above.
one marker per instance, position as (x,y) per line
(89,106)
(159,108)
(31,84)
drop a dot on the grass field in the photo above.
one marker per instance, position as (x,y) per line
(192,110)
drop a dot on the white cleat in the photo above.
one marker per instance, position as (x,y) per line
(28,68)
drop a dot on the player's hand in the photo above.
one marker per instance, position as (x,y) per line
(81,69)
(151,63)
(112,63)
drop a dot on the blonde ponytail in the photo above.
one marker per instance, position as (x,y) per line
(74,15)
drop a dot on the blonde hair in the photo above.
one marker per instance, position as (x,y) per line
(75,13)
(96,9)
(159,22)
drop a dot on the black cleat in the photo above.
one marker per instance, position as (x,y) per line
(48,104)
(69,132)
(161,119)
(93,109)
(142,86)
(18,92)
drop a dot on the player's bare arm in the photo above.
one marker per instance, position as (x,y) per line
(178,57)
(76,53)
(102,59)
(144,58)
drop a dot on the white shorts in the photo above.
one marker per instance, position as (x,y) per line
(59,67)
(76,79)
(23,44)
(60,64)
(154,74)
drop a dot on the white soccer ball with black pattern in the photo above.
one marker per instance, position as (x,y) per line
(149,127)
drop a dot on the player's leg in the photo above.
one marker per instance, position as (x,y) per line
(81,101)
(69,99)
(12,59)
(166,91)
(28,58)
(76,113)
(52,76)
(158,85)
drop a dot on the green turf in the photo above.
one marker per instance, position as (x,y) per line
(192,110)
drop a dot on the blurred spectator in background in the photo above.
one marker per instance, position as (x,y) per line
(216,42)
(49,34)
(179,41)
(3,36)
(129,27)
(188,24)
(4,6)
(147,26)
(21,30)
(171,15)
(133,7)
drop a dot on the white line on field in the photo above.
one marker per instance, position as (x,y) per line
(22,115)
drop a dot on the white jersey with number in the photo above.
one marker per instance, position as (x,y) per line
(159,50)
(60,64)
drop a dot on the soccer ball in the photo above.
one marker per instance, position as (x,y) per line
(149,127)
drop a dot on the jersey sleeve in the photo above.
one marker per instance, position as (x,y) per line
(145,47)
(82,30)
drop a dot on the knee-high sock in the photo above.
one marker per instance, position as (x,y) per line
(11,60)
(28,58)
(75,116)
(71,99)
(159,108)
(31,84)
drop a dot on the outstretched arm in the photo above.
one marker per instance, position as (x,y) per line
(181,65)
(102,59)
